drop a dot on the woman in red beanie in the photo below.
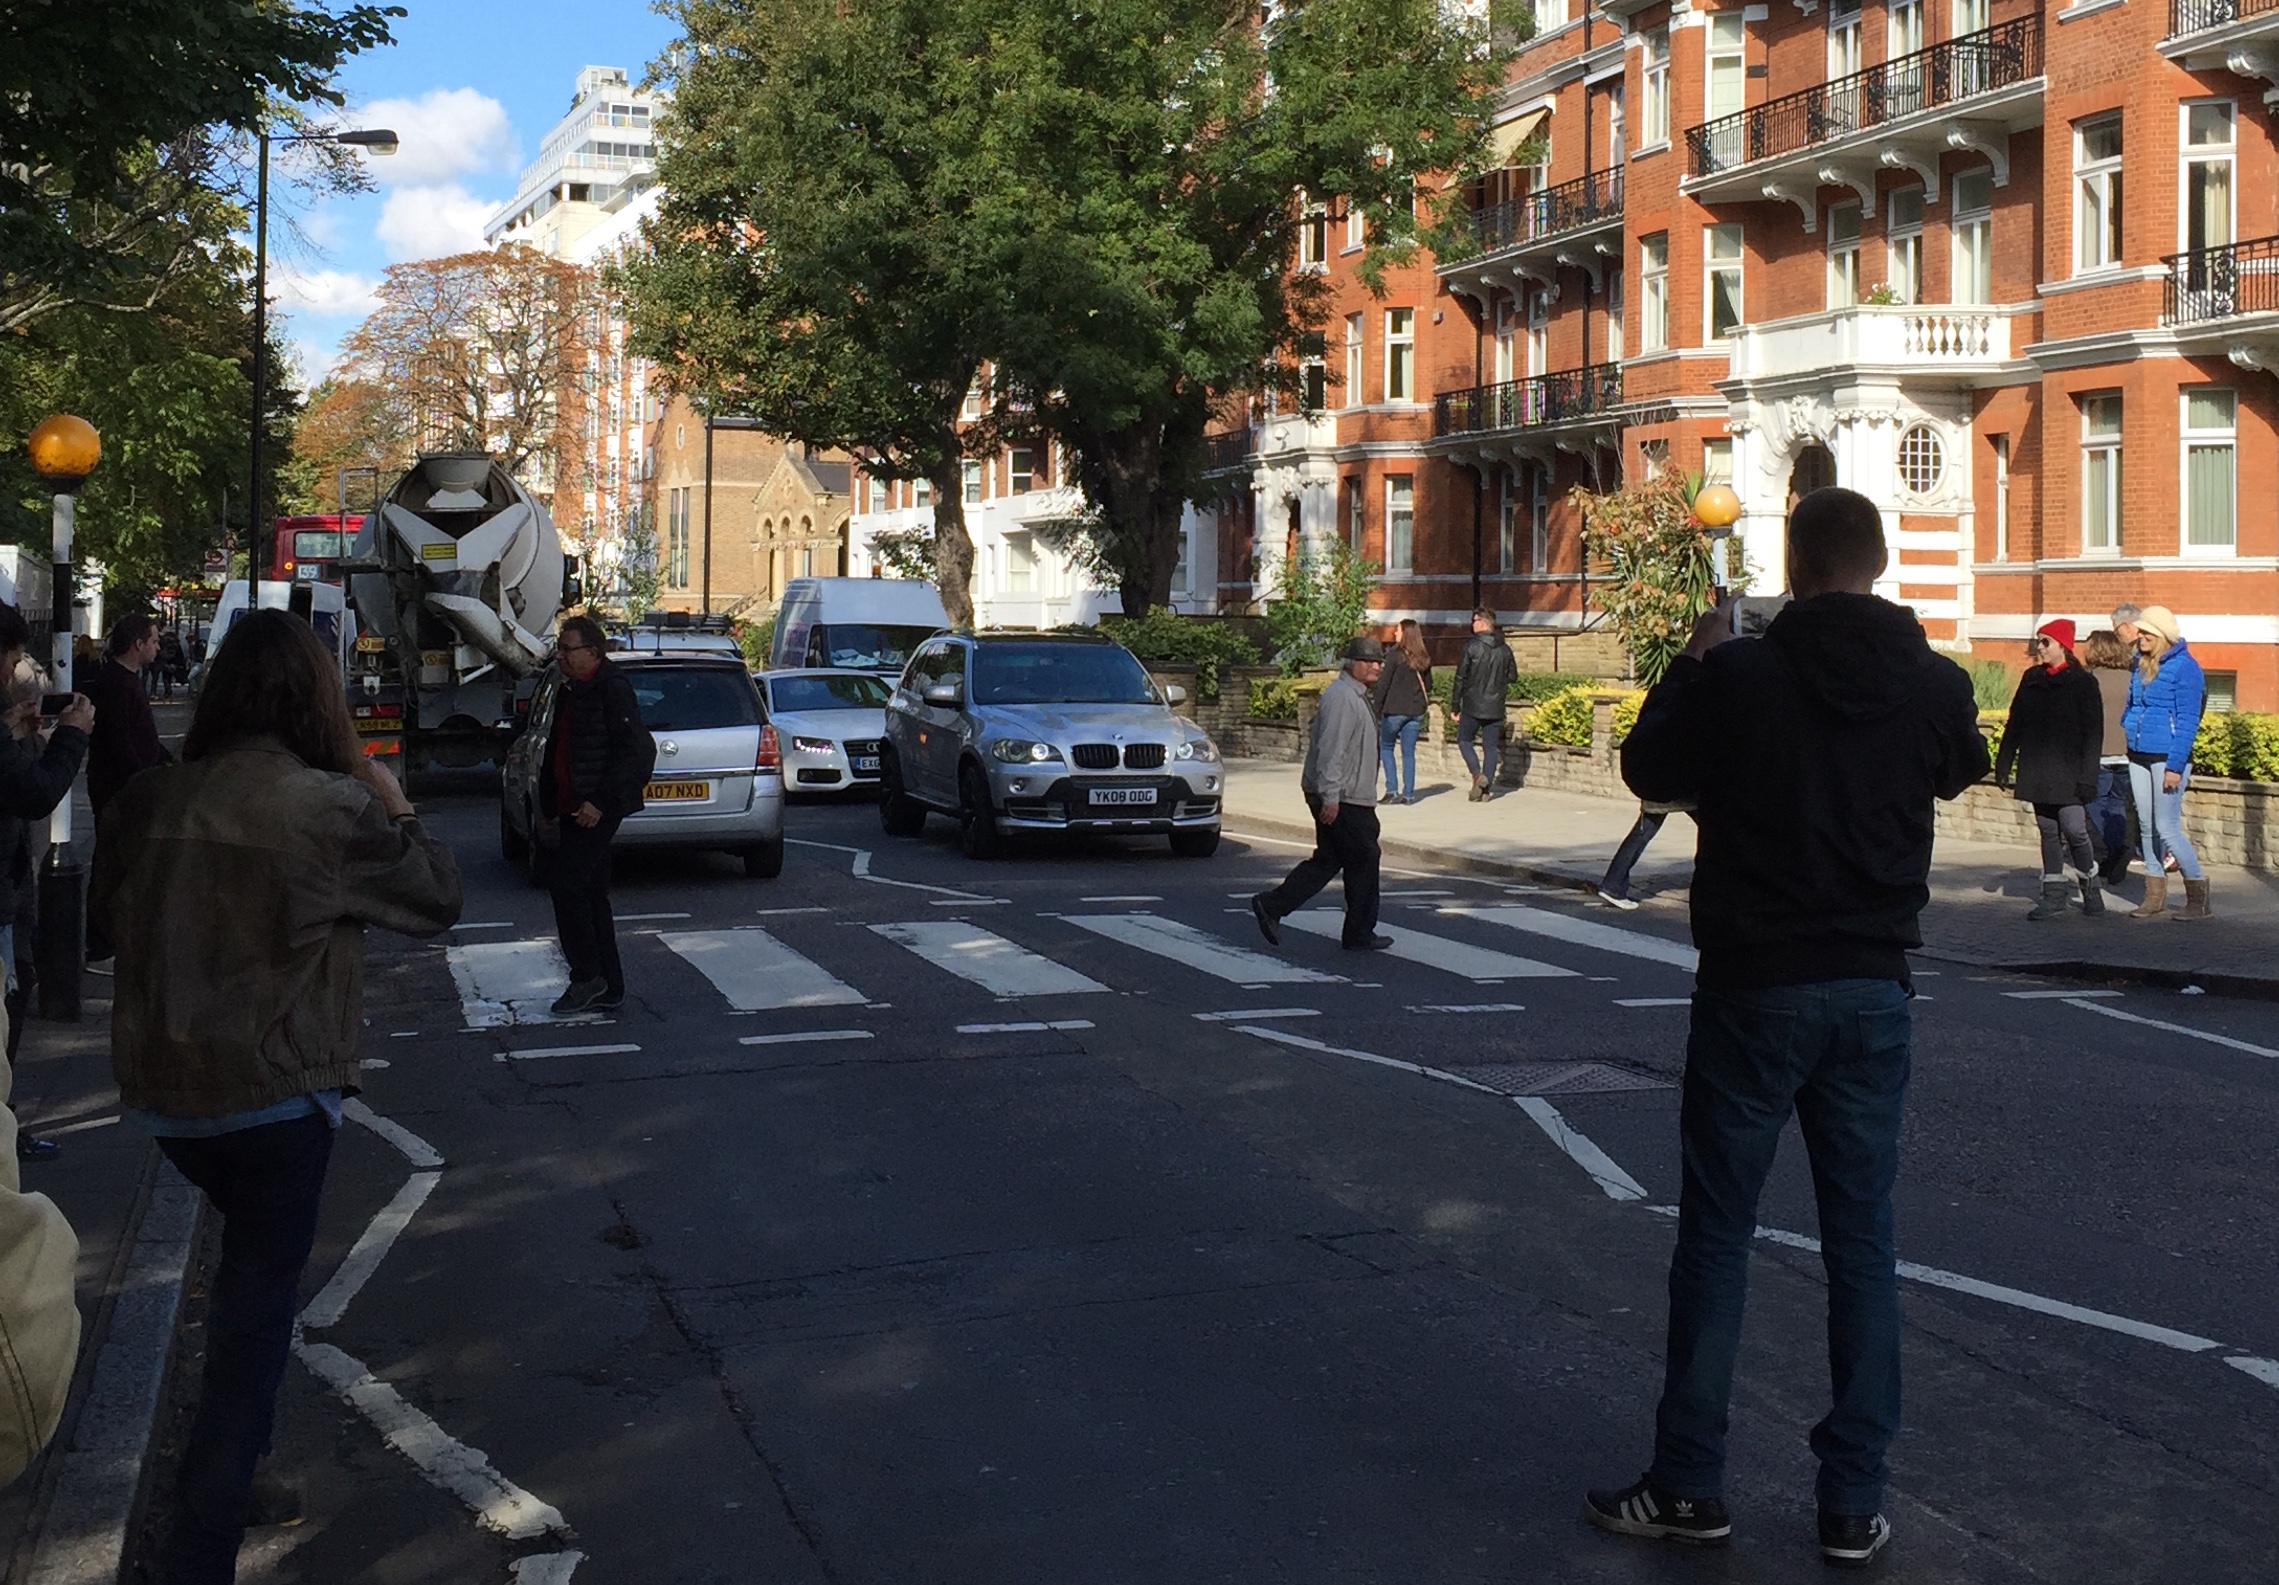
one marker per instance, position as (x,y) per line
(2049,757)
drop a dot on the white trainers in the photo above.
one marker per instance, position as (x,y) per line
(1626,904)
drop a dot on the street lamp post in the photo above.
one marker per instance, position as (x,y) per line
(376,140)
(64,452)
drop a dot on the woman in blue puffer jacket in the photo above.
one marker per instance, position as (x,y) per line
(2166,696)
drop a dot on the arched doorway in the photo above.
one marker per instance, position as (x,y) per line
(1815,470)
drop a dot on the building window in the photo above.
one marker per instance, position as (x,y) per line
(1973,201)
(1352,360)
(1922,460)
(1614,316)
(807,561)
(1903,243)
(1654,110)
(1538,332)
(1356,226)
(1506,344)
(2207,187)
(972,483)
(1903,77)
(2001,497)
(1721,280)
(1022,468)
(1313,384)
(2211,470)
(1617,135)
(1550,14)
(1725,81)
(1020,564)
(972,408)
(1717,462)
(1842,96)
(1843,255)
(1654,296)
(1313,238)
(1653,459)
(2223,691)
(676,539)
(1539,520)
(1507,521)
(1400,354)
(1400,523)
(922,492)
(2100,473)
(1356,492)
(1182,572)
(2097,194)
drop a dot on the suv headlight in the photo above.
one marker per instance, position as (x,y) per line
(813,745)
(1020,751)
(1198,748)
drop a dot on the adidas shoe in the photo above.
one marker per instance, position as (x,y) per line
(1851,1540)
(1640,1509)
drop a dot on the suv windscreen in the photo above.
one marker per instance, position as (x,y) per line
(865,646)
(853,690)
(693,698)
(1052,673)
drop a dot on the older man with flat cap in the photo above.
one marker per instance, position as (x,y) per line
(1340,784)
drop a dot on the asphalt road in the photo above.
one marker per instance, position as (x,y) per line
(920,1221)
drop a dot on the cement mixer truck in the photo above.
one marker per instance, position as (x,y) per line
(456,582)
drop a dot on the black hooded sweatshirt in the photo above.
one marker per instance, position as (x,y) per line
(1813,755)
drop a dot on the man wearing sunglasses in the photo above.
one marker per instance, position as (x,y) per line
(597,761)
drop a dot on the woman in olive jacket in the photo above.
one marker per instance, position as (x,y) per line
(2049,756)
(238,884)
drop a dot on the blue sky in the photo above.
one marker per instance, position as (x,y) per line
(471,87)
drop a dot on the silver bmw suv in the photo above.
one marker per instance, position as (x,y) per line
(1066,731)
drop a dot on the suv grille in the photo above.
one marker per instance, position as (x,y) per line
(1094,756)
(1144,756)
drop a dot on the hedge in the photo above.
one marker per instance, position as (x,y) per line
(1272,698)
(1163,637)
(2240,743)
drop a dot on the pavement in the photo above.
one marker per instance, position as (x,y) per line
(1980,891)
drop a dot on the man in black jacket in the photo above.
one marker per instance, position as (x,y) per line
(1483,683)
(597,762)
(1813,756)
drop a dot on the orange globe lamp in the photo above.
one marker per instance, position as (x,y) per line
(64,450)
(1717,506)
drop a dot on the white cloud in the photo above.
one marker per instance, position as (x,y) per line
(432,222)
(445,132)
(326,292)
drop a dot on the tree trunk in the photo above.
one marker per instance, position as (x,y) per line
(953,546)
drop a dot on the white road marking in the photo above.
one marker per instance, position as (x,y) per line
(2263,1370)
(371,1247)
(1580,932)
(415,1150)
(988,960)
(758,973)
(1283,1037)
(459,1469)
(860,869)
(404,1034)
(1241,1013)
(1135,897)
(81,1128)
(968,902)
(1213,955)
(768,913)
(484,924)
(1470,1007)
(548,1568)
(1023,1028)
(508,982)
(1611,1179)
(803,1036)
(567,1051)
(1438,952)
(2056,996)
(1421,894)
(628,918)
(2174,1029)
(1653,1001)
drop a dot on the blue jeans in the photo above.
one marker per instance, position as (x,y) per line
(2160,820)
(266,1183)
(2109,811)
(1401,730)
(1836,1055)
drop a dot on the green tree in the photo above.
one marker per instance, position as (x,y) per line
(1325,599)
(1659,567)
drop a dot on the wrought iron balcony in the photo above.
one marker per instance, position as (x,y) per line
(2213,285)
(1227,452)
(2197,16)
(1591,200)
(1948,74)
(1566,397)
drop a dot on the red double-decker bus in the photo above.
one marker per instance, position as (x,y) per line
(309,549)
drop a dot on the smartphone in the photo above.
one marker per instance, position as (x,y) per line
(1753,613)
(54,704)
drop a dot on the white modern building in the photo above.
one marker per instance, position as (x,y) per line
(597,159)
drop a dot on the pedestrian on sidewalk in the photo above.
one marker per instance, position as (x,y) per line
(1814,756)
(125,742)
(2049,758)
(597,762)
(238,885)
(172,667)
(1340,784)
(2111,663)
(1481,699)
(2166,697)
(1614,890)
(1400,693)
(39,1312)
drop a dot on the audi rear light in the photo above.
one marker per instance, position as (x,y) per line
(771,751)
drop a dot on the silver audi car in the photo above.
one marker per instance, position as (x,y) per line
(1011,732)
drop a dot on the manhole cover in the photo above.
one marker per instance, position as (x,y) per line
(1558,1078)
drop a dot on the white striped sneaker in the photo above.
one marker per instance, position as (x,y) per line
(1640,1509)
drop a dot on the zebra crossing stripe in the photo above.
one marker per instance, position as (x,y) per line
(1197,949)
(1581,932)
(758,973)
(503,983)
(1457,957)
(987,959)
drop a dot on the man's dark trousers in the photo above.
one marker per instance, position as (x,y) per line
(1837,1055)
(1347,844)
(1489,731)
(580,883)
(266,1183)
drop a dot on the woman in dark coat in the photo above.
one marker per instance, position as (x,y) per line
(2049,757)
(1399,697)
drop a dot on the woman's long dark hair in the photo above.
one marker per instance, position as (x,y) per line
(273,678)
(1412,646)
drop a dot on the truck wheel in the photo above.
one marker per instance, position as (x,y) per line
(898,813)
(1195,844)
(764,862)
(514,847)
(978,833)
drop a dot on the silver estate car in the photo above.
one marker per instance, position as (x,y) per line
(1009,732)
(829,723)
(719,776)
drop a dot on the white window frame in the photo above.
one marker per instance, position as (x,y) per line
(2096,443)
(1903,242)
(1717,460)
(1539,520)
(1400,355)
(2001,497)
(1654,101)
(1614,343)
(1654,292)
(1973,237)
(1353,355)
(2190,439)
(973,482)
(1843,284)
(1020,470)
(1018,564)
(2097,181)
(1357,508)
(1506,347)
(1508,487)
(1313,237)
(1715,264)
(1356,225)
(1538,331)
(2191,154)
(1617,125)
(1725,69)
(1400,525)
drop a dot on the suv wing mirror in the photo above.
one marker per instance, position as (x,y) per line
(946,694)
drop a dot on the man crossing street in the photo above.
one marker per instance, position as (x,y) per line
(597,761)
(1483,682)
(1340,784)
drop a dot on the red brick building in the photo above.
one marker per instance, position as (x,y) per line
(2012,272)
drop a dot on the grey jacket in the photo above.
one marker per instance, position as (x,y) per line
(1341,760)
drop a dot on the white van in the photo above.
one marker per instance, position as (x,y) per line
(325,605)
(855,624)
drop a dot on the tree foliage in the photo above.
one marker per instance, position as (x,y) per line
(1660,565)
(1325,599)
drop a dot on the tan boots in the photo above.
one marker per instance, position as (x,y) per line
(2196,901)
(2155,897)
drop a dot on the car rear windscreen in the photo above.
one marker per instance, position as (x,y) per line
(694,698)
(868,646)
(853,691)
(1059,674)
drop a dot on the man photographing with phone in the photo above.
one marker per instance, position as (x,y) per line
(1813,756)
